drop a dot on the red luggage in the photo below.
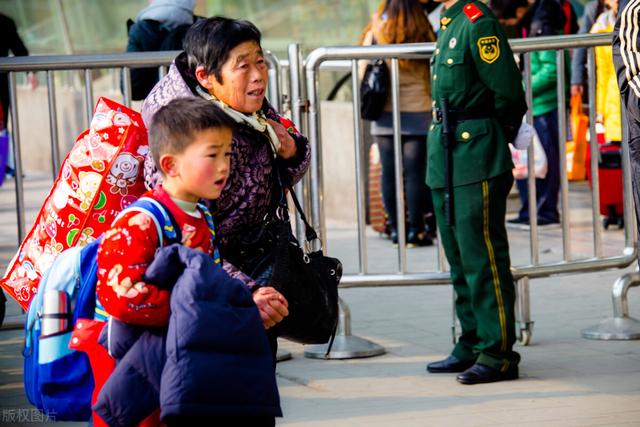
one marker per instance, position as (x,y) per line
(610,172)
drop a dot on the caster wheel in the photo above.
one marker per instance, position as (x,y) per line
(525,337)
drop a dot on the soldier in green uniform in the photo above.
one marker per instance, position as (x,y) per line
(473,70)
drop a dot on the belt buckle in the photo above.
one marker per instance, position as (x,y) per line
(436,115)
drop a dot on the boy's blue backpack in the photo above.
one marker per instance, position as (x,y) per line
(58,380)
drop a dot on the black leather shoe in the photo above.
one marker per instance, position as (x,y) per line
(480,374)
(449,365)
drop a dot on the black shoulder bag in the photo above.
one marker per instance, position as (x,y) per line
(374,89)
(307,279)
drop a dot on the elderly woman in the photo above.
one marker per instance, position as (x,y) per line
(223,62)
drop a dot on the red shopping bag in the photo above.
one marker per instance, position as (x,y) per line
(102,174)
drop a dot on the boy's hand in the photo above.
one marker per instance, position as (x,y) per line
(273,307)
(287,144)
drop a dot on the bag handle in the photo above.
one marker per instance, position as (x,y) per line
(309,231)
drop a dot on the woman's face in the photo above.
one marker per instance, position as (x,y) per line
(244,78)
(612,4)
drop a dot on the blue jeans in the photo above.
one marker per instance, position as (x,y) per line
(414,162)
(547,188)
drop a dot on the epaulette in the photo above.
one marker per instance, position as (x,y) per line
(472,11)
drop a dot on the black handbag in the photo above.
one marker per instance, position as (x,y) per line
(307,279)
(374,89)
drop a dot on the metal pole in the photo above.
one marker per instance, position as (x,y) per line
(162,71)
(360,172)
(126,86)
(88,95)
(531,178)
(53,125)
(397,160)
(275,71)
(316,154)
(562,149)
(523,306)
(17,156)
(298,117)
(595,154)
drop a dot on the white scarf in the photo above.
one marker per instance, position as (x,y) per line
(257,120)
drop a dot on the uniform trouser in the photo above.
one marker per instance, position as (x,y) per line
(477,249)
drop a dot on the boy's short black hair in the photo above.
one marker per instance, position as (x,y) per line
(173,126)
(209,42)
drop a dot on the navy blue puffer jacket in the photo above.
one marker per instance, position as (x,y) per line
(214,359)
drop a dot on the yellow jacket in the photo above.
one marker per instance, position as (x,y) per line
(607,91)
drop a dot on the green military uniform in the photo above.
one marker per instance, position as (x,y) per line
(473,67)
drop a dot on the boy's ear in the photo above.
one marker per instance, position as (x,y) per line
(168,165)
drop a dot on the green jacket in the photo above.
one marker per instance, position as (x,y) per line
(473,67)
(544,79)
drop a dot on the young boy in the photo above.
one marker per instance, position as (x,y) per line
(190,140)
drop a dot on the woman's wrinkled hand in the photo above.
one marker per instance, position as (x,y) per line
(287,144)
(273,307)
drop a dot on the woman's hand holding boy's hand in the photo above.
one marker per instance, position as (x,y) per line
(273,307)
(287,144)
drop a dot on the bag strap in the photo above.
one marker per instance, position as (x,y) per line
(309,231)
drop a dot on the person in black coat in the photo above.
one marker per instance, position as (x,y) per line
(627,65)
(159,27)
(10,41)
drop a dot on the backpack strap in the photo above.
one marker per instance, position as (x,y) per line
(209,218)
(164,221)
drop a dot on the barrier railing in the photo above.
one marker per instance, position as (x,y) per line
(303,102)
(349,347)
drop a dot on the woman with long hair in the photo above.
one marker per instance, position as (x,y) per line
(404,21)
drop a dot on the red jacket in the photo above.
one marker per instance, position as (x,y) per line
(124,254)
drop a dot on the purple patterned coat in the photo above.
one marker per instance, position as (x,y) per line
(247,195)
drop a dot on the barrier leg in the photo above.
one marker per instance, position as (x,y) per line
(283,355)
(345,345)
(523,311)
(620,326)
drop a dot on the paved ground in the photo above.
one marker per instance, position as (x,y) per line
(565,380)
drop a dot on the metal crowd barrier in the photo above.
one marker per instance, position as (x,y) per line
(348,346)
(300,96)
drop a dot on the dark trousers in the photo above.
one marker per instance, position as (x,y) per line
(634,154)
(477,249)
(414,162)
(547,188)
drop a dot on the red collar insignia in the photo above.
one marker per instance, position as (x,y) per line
(472,12)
